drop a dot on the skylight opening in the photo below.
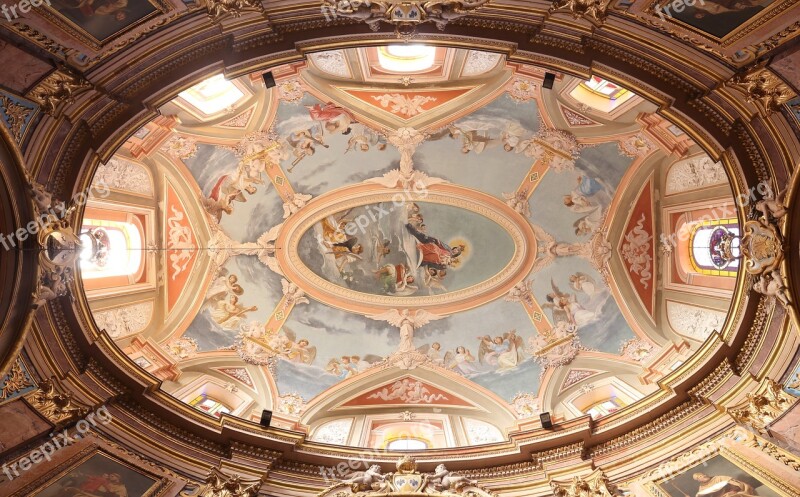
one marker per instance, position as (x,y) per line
(407,58)
(213,95)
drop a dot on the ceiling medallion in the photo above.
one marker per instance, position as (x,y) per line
(405,15)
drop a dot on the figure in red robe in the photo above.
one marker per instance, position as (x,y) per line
(435,253)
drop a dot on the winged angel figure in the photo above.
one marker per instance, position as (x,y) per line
(407,324)
(407,140)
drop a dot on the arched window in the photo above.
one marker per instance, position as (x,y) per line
(714,247)
(407,444)
(110,248)
(604,88)
(209,405)
(601,94)
(604,408)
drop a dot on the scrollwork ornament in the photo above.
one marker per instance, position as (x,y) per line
(222,9)
(594,485)
(407,480)
(404,15)
(55,403)
(763,406)
(763,88)
(218,484)
(595,11)
(59,89)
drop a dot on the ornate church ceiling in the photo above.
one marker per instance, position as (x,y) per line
(364,225)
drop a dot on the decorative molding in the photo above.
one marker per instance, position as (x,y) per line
(17,382)
(407,480)
(693,174)
(59,89)
(404,15)
(652,428)
(762,87)
(218,484)
(125,176)
(125,320)
(56,404)
(594,11)
(596,484)
(763,406)
(694,321)
(223,9)
(17,113)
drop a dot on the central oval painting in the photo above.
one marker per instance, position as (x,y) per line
(406,249)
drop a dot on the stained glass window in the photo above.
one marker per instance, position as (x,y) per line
(207,404)
(715,247)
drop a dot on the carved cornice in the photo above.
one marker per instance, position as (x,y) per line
(652,428)
(757,329)
(158,423)
(575,450)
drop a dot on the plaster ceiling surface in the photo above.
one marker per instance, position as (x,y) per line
(470,224)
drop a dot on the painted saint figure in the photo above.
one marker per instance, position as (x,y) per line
(435,253)
(722,486)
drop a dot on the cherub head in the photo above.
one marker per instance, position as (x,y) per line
(234,299)
(365,147)
(303,342)
(458,250)
(357,249)
(498,340)
(436,345)
(232,279)
(569,201)
(375,469)
(440,468)
(409,280)
(355,358)
(461,350)
(345,359)
(508,147)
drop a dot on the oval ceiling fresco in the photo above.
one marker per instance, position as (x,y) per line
(505,239)
(366,248)
(404,248)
